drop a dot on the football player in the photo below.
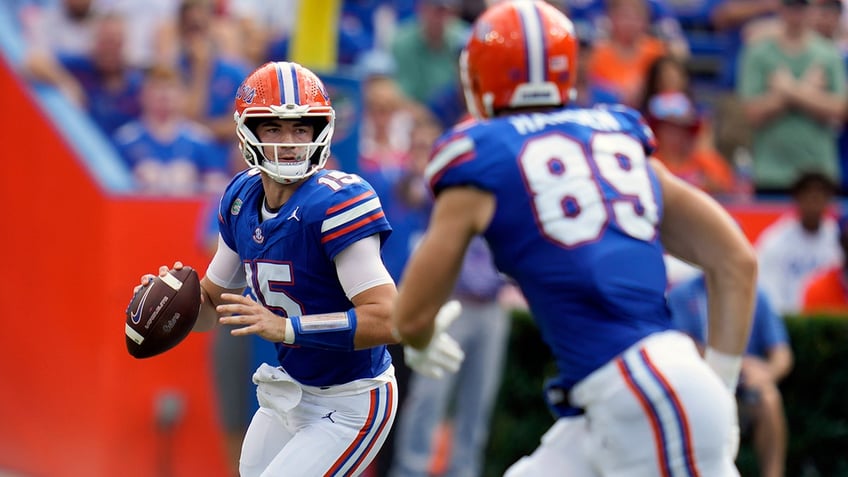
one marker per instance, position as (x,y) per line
(306,241)
(576,211)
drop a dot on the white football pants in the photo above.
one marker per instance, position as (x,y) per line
(657,410)
(309,431)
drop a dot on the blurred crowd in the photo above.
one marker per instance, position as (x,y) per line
(747,100)
(158,77)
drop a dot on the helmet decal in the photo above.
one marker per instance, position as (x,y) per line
(246,93)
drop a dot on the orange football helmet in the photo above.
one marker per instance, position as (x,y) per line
(284,90)
(520,54)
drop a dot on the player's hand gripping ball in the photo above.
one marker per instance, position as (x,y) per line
(162,313)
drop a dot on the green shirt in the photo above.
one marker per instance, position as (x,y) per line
(421,71)
(793,142)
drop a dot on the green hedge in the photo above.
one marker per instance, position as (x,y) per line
(815,396)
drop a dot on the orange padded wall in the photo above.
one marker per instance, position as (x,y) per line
(72,400)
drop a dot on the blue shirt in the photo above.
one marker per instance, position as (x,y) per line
(688,304)
(288,261)
(192,144)
(109,108)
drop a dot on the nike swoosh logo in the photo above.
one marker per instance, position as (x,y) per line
(136,315)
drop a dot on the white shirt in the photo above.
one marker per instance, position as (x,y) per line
(788,256)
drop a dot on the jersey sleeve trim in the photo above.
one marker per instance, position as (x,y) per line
(354,226)
(452,152)
(349,202)
(361,210)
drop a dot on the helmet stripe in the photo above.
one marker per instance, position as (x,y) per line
(534,41)
(278,65)
(285,72)
(295,84)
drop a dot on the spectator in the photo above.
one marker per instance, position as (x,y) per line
(100,81)
(709,170)
(592,24)
(792,87)
(799,244)
(386,123)
(60,28)
(588,93)
(676,124)
(144,32)
(168,153)
(666,74)
(621,61)
(426,49)
(406,198)
(729,20)
(826,293)
(212,79)
(768,359)
(731,17)
(827,21)
(263,25)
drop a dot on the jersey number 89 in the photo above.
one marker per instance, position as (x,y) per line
(568,198)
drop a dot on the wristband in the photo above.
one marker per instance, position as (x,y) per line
(289,337)
(331,331)
(727,366)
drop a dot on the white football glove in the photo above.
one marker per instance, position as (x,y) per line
(443,353)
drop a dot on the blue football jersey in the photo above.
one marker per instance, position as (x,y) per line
(576,224)
(288,260)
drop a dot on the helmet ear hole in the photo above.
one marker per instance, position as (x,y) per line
(318,124)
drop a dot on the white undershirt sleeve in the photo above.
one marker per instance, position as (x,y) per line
(360,266)
(226,269)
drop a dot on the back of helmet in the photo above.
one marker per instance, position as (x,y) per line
(519,55)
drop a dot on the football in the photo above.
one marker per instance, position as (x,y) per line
(162,314)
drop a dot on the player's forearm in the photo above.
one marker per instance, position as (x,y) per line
(731,286)
(825,106)
(414,320)
(780,361)
(366,325)
(426,285)
(375,318)
(731,14)
(207,319)
(763,109)
(698,230)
